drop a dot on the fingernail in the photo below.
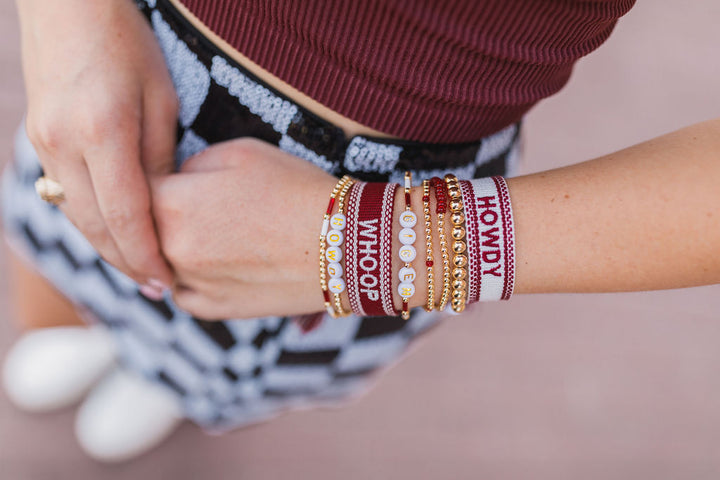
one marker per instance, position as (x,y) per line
(157,284)
(152,292)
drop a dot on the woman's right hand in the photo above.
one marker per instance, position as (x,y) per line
(102,116)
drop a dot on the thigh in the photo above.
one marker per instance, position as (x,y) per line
(34,301)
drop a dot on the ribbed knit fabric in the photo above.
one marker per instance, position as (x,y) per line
(427,70)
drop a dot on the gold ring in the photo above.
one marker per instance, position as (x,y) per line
(50,190)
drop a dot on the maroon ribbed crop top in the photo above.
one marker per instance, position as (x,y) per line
(426,70)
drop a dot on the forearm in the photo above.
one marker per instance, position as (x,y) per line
(644,218)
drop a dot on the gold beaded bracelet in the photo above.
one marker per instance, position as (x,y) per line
(459,245)
(323,232)
(341,211)
(429,258)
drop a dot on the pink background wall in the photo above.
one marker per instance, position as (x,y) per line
(581,386)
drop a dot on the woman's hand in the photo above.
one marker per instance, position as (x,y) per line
(102,116)
(240,226)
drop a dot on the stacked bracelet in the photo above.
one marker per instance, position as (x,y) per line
(407,252)
(440,210)
(459,245)
(472,235)
(429,258)
(333,254)
(369,248)
(496,240)
(478,258)
(335,238)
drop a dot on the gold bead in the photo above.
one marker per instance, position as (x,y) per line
(456,205)
(458,306)
(458,232)
(457,218)
(459,273)
(460,261)
(459,284)
(458,294)
(454,192)
(458,246)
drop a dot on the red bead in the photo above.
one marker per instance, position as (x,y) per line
(426,198)
(405,306)
(407,199)
(330,206)
(429,263)
(326,295)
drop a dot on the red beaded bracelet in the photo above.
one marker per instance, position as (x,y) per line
(438,185)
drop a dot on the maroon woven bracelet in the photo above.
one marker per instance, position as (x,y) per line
(386,291)
(496,242)
(369,248)
(473,238)
(508,234)
(351,251)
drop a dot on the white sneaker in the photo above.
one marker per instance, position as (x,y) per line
(124,416)
(53,368)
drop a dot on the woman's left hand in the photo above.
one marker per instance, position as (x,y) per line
(240,225)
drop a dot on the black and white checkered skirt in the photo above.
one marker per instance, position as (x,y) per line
(235,372)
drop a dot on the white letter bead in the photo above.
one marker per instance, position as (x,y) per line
(407,236)
(333,254)
(336,285)
(406,290)
(338,221)
(334,238)
(407,274)
(407,253)
(335,270)
(408,219)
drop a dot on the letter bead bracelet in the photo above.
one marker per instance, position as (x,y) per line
(407,252)
(335,239)
(332,253)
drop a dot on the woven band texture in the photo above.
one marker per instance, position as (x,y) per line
(369,248)
(496,238)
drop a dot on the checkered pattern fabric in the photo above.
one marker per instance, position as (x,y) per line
(234,372)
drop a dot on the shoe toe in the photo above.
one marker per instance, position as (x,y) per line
(125,416)
(53,368)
